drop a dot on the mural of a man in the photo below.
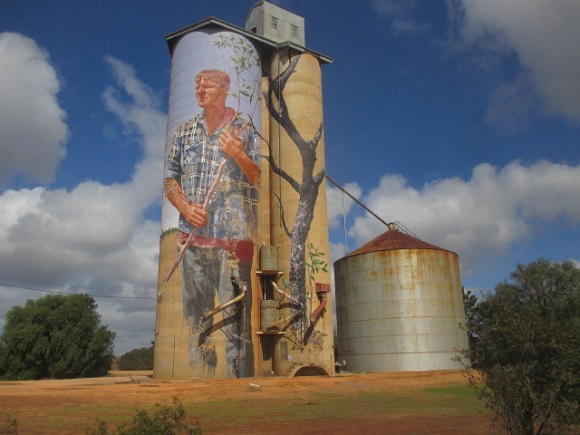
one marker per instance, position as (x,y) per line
(222,245)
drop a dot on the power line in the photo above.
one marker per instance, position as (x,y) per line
(70,293)
(44,283)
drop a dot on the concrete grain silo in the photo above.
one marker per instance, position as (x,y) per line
(236,297)
(399,306)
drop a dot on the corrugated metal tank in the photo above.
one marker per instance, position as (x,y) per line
(399,306)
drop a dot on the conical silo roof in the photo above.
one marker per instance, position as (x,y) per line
(394,239)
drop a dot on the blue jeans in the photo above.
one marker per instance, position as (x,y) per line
(207,271)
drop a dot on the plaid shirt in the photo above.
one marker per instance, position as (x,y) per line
(193,160)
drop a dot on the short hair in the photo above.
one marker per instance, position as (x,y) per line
(215,75)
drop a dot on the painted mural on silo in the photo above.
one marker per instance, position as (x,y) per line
(298,213)
(209,213)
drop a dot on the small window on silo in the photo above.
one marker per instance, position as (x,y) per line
(294,30)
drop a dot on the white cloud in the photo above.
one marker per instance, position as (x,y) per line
(543,34)
(94,237)
(481,217)
(32,123)
(141,117)
(399,13)
(337,251)
(339,204)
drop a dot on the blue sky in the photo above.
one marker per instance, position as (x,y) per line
(460,119)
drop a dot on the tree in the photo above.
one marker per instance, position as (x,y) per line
(525,347)
(137,359)
(57,337)
(470,305)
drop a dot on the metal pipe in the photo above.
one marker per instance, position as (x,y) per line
(286,295)
(319,310)
(224,306)
(281,321)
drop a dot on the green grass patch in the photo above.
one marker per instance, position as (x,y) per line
(460,391)
(453,400)
(320,405)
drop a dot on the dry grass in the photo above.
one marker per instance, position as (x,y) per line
(418,402)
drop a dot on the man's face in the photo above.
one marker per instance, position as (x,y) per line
(209,93)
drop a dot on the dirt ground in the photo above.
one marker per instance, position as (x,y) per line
(72,406)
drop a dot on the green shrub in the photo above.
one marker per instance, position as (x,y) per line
(166,420)
(137,359)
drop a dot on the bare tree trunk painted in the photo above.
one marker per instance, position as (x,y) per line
(307,188)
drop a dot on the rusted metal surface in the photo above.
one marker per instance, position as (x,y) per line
(399,308)
(319,310)
(392,240)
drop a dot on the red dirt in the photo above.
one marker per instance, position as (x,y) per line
(72,406)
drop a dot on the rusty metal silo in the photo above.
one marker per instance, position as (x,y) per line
(399,306)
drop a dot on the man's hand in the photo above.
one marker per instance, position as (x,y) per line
(230,144)
(194,214)
(233,146)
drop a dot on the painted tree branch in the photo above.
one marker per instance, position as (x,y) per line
(276,89)
(282,215)
(309,185)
